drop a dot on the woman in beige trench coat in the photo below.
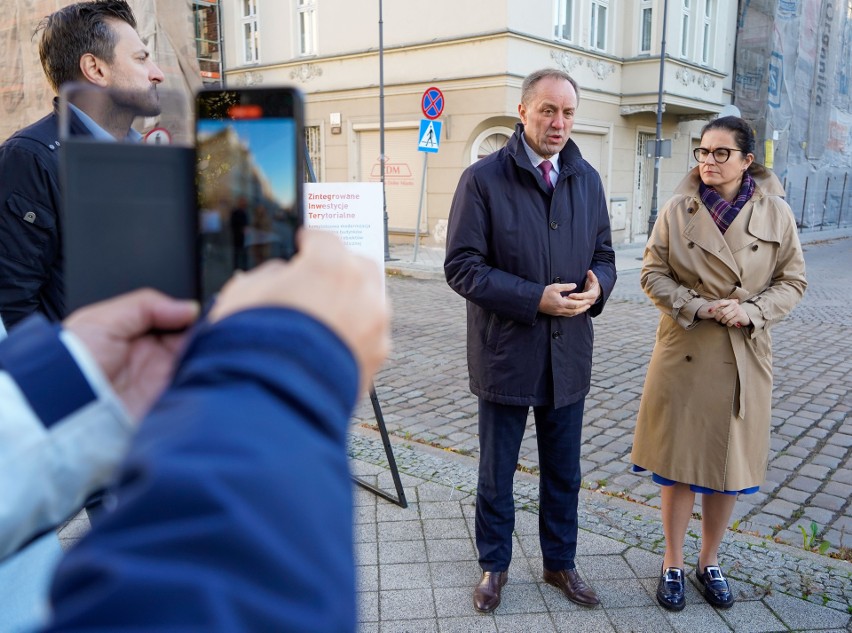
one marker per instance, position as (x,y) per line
(723,265)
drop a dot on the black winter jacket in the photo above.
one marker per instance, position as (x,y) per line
(508,238)
(30,246)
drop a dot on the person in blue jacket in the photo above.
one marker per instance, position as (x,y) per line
(233,509)
(94,43)
(70,399)
(529,247)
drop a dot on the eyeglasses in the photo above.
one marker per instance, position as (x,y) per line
(720,154)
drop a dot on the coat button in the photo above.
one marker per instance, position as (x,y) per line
(30,217)
(557,280)
(554,225)
(556,334)
(689,359)
(691,245)
(754,248)
(690,210)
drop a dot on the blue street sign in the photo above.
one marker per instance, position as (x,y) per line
(430,136)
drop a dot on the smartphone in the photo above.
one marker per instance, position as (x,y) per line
(249,175)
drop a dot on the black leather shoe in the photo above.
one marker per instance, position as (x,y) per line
(574,588)
(670,590)
(486,596)
(715,586)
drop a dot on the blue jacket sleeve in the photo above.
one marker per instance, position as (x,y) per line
(63,430)
(233,511)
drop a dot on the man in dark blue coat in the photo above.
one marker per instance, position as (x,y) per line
(95,43)
(529,247)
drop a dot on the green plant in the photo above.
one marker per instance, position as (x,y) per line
(810,539)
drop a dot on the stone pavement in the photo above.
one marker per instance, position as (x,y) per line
(418,565)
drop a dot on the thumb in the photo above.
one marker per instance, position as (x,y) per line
(563,287)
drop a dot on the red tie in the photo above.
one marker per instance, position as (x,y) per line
(545,167)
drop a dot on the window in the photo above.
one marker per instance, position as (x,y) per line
(563,20)
(306,19)
(489,141)
(251,52)
(314,147)
(684,28)
(207,40)
(707,32)
(646,18)
(597,32)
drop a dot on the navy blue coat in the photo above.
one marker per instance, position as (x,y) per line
(508,238)
(31,277)
(233,510)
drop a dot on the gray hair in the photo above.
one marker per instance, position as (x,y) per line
(530,81)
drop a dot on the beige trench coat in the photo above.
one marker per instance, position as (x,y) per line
(705,412)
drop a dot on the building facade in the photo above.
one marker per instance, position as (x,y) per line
(794,85)
(477,53)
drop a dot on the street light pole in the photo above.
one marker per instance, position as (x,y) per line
(658,142)
(382,128)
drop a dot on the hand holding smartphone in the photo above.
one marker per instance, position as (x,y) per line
(249,176)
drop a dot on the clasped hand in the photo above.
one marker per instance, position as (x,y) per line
(726,311)
(555,302)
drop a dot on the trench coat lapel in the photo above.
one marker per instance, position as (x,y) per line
(704,233)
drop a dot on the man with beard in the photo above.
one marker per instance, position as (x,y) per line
(94,43)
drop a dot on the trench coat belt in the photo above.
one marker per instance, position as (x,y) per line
(739,346)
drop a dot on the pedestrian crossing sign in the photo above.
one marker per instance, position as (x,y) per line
(430,136)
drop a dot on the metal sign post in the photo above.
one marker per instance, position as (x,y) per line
(432,105)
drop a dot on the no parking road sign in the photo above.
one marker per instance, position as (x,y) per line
(432,103)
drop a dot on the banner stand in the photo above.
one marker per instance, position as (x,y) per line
(380,421)
(377,409)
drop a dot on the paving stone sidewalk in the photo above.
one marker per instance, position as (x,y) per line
(417,565)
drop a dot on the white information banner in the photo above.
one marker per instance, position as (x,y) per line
(352,210)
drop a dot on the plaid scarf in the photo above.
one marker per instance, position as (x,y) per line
(722,211)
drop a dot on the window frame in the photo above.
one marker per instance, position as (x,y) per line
(306,38)
(646,8)
(249,31)
(564,11)
(685,27)
(708,32)
(487,133)
(599,7)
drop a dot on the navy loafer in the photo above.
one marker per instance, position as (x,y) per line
(670,590)
(715,586)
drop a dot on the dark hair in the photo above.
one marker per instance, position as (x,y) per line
(743,136)
(533,78)
(75,30)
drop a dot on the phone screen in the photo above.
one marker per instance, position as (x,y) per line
(249,176)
